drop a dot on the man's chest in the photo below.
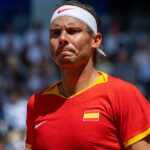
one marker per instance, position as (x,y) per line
(79,124)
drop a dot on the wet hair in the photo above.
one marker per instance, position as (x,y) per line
(91,11)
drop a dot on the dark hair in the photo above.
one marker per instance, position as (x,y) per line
(91,11)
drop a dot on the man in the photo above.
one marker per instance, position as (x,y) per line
(87,109)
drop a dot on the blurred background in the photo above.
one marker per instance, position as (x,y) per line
(26,66)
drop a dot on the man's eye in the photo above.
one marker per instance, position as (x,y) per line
(55,33)
(72,31)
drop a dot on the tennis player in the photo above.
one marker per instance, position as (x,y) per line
(87,109)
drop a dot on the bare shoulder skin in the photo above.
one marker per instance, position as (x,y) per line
(141,145)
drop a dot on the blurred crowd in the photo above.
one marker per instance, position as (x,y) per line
(26,67)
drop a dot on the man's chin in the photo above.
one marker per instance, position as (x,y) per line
(66,63)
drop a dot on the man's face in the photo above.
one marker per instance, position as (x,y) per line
(70,42)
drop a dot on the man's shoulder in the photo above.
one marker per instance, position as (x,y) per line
(51,90)
(117,84)
(122,93)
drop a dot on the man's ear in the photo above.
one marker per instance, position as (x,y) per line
(96,41)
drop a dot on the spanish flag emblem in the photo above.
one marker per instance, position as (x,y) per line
(91,115)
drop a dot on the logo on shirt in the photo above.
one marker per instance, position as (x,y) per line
(91,115)
(60,11)
(39,124)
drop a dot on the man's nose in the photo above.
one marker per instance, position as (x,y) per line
(63,39)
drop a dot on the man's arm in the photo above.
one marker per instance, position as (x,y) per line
(144,144)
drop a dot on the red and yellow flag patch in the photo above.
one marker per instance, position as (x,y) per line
(91,115)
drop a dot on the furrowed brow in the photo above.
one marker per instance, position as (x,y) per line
(54,29)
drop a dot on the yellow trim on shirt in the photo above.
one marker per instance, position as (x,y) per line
(103,78)
(28,146)
(52,89)
(137,138)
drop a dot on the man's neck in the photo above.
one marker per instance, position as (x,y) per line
(75,80)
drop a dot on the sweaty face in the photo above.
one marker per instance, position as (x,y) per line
(70,42)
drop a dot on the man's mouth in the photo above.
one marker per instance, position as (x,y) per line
(65,51)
